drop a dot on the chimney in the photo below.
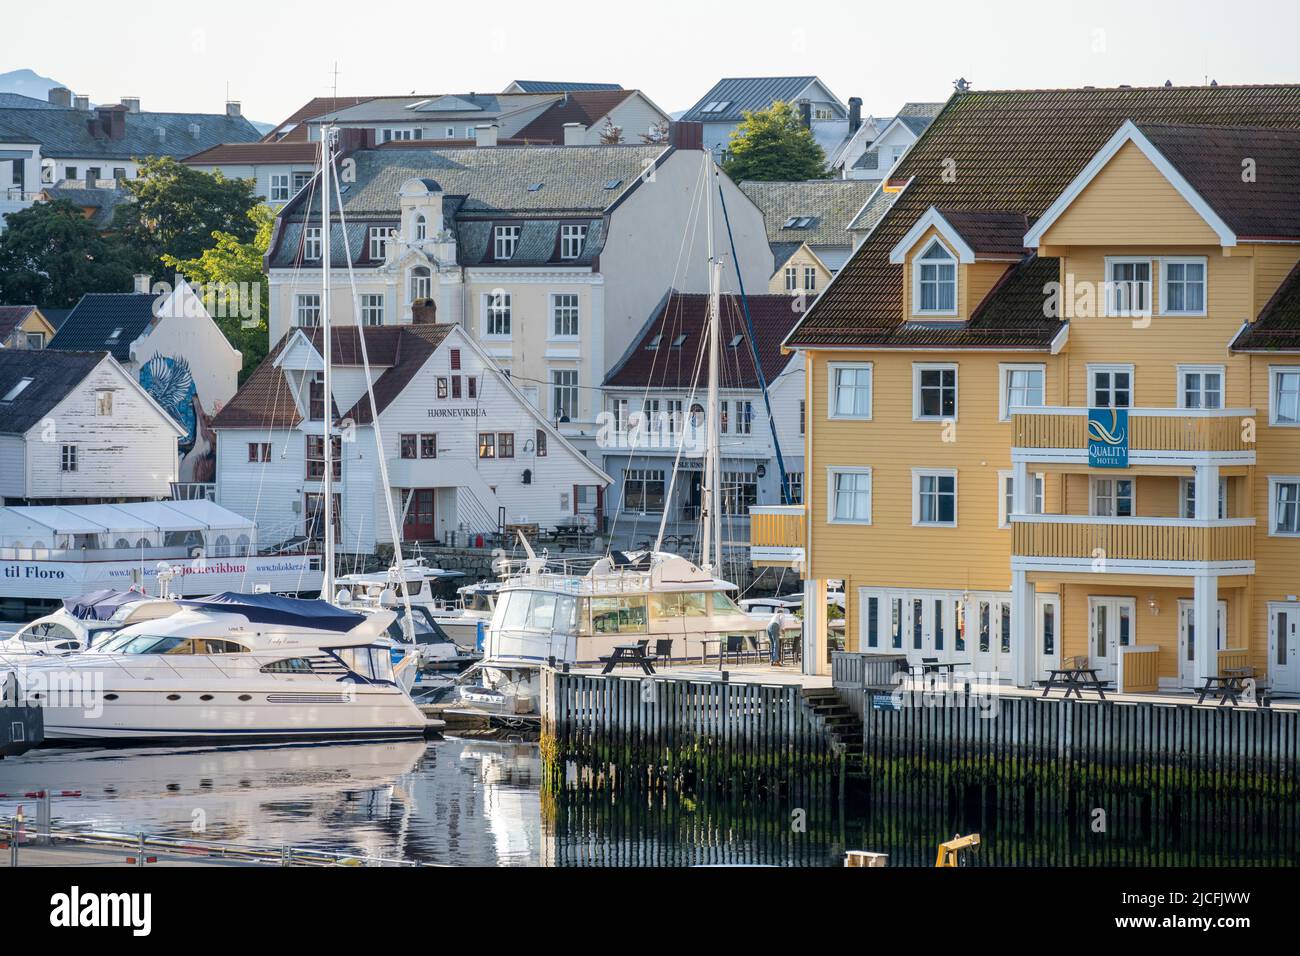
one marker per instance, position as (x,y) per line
(424,312)
(352,138)
(805,113)
(132,103)
(855,114)
(141,284)
(112,121)
(81,102)
(233,109)
(686,135)
(60,96)
(575,134)
(485,134)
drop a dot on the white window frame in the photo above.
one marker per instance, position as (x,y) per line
(1004,386)
(1132,384)
(1037,500)
(917,369)
(1092,497)
(424,280)
(809,278)
(372,305)
(377,237)
(420,227)
(104,403)
(576,307)
(556,385)
(279,186)
(832,374)
(1275,372)
(1201,261)
(505,242)
(792,279)
(311,239)
(1273,482)
(506,308)
(1186,487)
(834,470)
(1201,370)
(916,280)
(1108,284)
(573,236)
(68,457)
(299,305)
(917,475)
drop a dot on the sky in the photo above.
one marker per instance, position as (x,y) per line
(274,56)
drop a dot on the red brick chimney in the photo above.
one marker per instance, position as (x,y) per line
(424,312)
(686,135)
(111,121)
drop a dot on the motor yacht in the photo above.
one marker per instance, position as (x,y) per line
(82,623)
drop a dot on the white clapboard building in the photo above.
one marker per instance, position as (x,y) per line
(467,452)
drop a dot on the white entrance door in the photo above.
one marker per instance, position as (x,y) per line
(1187,640)
(990,635)
(1110,627)
(1284,647)
(1048,633)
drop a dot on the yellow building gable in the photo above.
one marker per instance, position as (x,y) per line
(801,260)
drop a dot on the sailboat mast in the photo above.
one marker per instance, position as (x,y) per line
(326,149)
(712,465)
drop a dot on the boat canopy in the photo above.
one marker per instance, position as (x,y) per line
(273,609)
(100,605)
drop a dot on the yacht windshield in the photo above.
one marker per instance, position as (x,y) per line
(46,631)
(536,611)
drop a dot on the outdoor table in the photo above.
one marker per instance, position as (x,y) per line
(791,646)
(1227,687)
(628,654)
(1074,680)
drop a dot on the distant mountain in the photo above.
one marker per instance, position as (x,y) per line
(27,83)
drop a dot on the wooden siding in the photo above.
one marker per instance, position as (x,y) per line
(1124,541)
(1190,433)
(784,529)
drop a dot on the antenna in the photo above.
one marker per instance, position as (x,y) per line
(335,73)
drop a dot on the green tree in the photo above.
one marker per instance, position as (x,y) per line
(177,209)
(51,254)
(232,263)
(772,145)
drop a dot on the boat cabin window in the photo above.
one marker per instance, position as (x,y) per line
(424,627)
(373,663)
(723,604)
(680,604)
(47,631)
(618,615)
(292,665)
(152,644)
(536,611)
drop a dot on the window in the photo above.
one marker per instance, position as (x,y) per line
(300,181)
(1284,396)
(572,238)
(850,391)
(803,416)
(1112,386)
(794,481)
(372,309)
(70,172)
(934,286)
(935,391)
(541,443)
(36,340)
(1200,387)
(505,242)
(17,390)
(421,284)
(408,445)
(104,403)
(724,419)
(378,236)
(1112,497)
(1006,507)
(316,457)
(421,228)
(1284,505)
(455,386)
(564,394)
(791,278)
(471,386)
(809,279)
(1022,385)
(279,187)
(453,359)
(1183,286)
(68,458)
(308,313)
(1189,497)
(643,490)
(259,452)
(442,386)
(487,445)
(497,308)
(1128,287)
(316,400)
(564,316)
(739,492)
(429,446)
(744,418)
(850,492)
(311,245)
(934,497)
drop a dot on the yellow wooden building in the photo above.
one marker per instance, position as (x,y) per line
(1053,401)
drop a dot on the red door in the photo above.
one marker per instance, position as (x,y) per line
(419,524)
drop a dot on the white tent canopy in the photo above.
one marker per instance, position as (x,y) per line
(151,524)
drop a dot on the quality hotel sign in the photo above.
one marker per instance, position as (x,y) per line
(1108,437)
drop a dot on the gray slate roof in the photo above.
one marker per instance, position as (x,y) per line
(830,203)
(16,101)
(66,133)
(53,375)
(746,93)
(104,200)
(553,86)
(454,107)
(91,324)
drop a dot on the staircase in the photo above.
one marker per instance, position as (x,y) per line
(843,728)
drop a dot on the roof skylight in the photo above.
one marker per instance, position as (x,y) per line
(16,390)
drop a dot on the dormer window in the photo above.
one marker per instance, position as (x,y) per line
(311,243)
(505,241)
(421,228)
(934,281)
(572,238)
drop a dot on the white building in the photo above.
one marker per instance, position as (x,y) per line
(880,157)
(77,428)
(655,398)
(550,256)
(466,451)
(277,169)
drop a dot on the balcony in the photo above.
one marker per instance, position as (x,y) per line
(1068,543)
(1156,435)
(777,536)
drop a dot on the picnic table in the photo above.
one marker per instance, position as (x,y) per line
(1227,686)
(1075,680)
(933,666)
(628,654)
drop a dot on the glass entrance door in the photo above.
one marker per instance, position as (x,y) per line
(1110,627)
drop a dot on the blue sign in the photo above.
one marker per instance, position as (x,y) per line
(1108,437)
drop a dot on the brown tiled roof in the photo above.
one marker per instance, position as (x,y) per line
(990,233)
(284,151)
(1210,159)
(266,399)
(666,366)
(11,316)
(1016,151)
(1277,328)
(583,107)
(317,106)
